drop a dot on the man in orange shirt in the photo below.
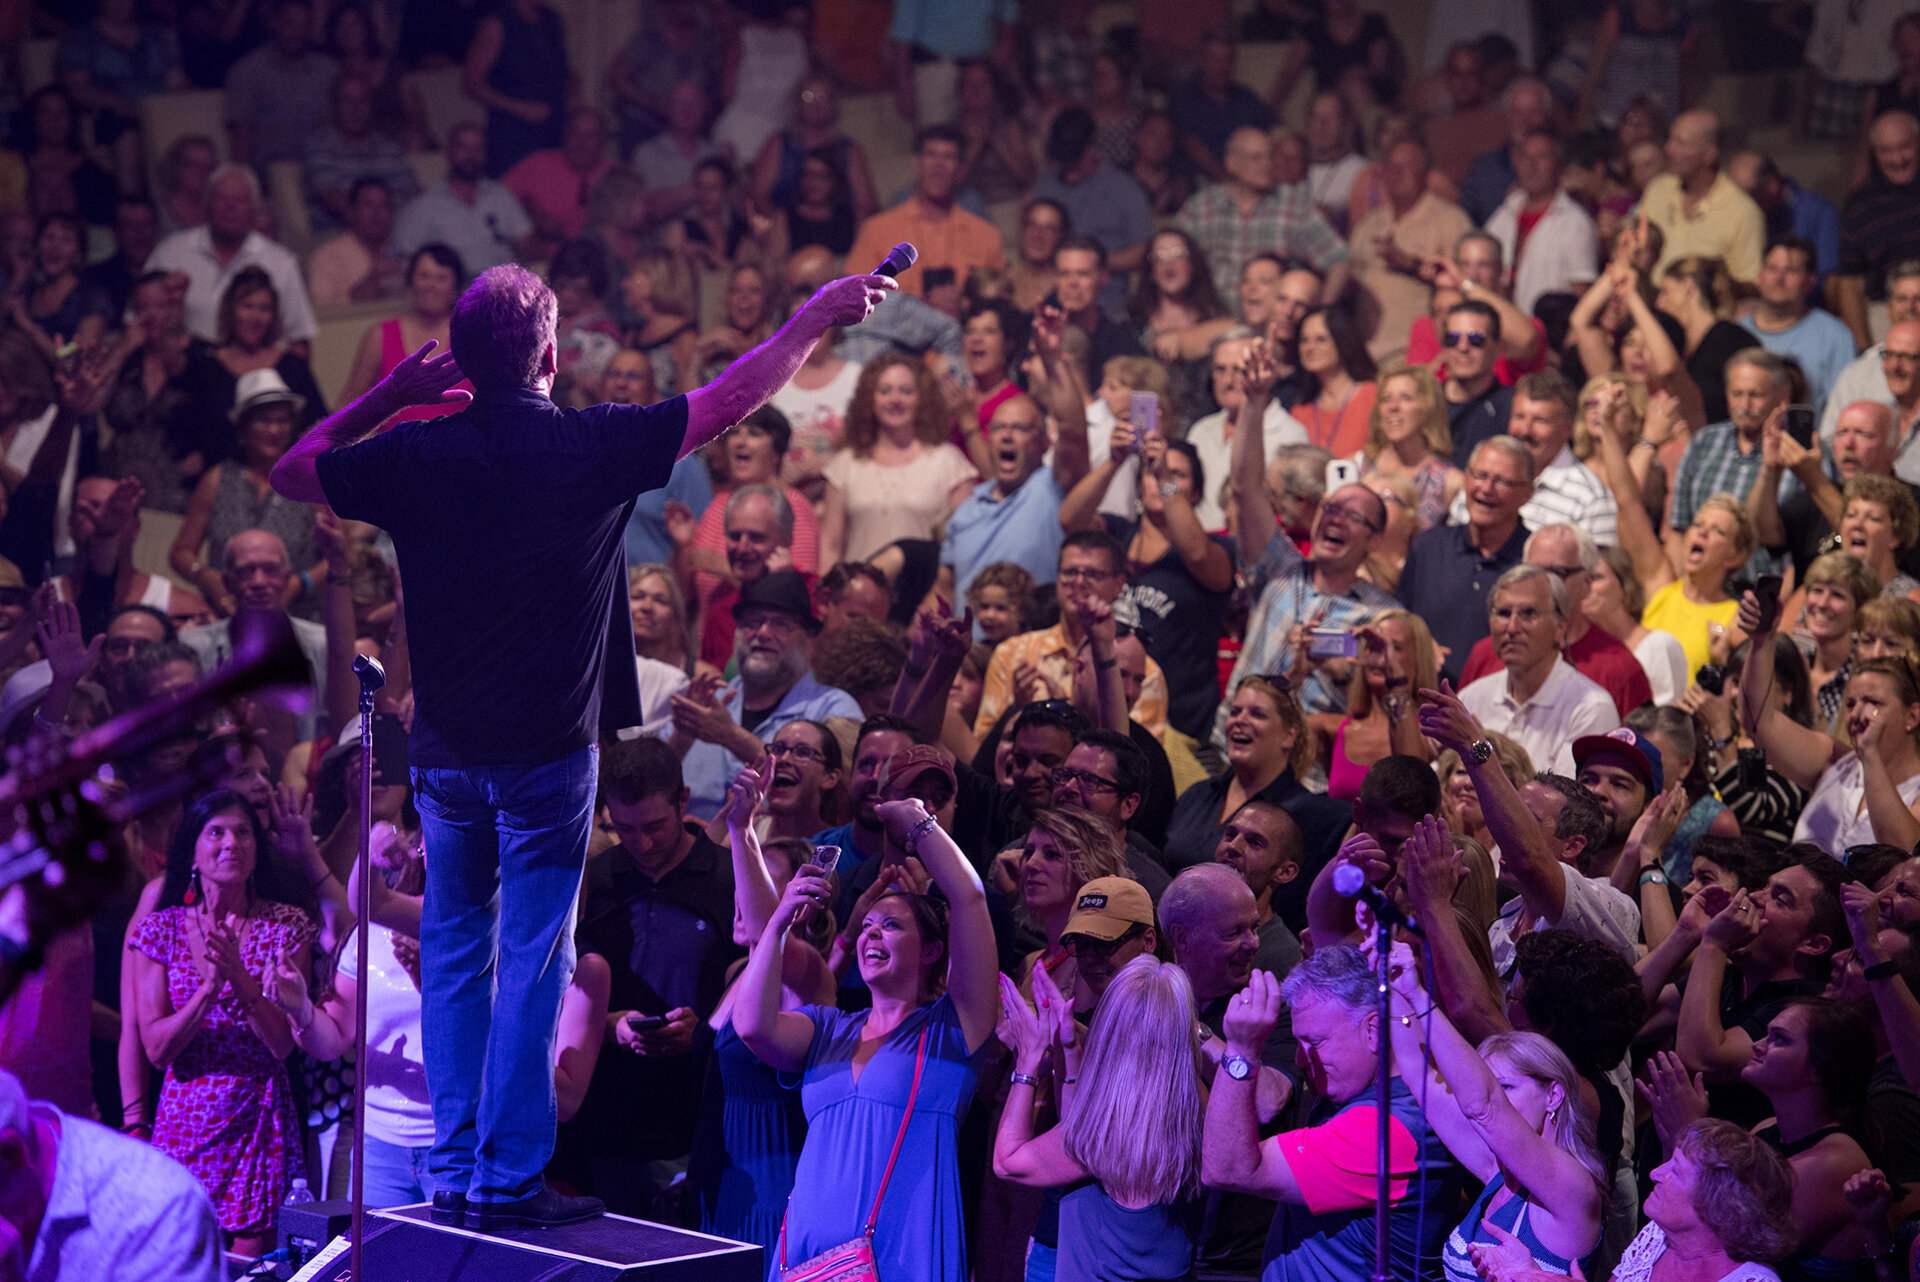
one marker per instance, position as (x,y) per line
(945,234)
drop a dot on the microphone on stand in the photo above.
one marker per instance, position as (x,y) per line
(898,259)
(372,673)
(1350,882)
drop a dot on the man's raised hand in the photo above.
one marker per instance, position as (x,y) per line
(851,299)
(422,378)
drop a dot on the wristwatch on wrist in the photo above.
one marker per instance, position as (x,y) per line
(1481,750)
(1238,1067)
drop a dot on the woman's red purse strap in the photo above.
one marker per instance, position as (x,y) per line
(900,1140)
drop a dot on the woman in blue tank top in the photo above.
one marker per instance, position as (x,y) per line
(1128,1146)
(1509,1112)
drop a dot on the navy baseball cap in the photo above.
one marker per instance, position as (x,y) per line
(1632,747)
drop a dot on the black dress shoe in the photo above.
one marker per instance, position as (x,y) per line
(544,1209)
(449,1208)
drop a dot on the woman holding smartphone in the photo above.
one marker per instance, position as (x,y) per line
(900,1072)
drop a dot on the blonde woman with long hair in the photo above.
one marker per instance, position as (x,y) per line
(1510,1112)
(1407,435)
(1129,1137)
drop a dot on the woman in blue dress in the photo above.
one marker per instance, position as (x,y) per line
(859,1068)
(751,1127)
(1128,1147)
(1510,1113)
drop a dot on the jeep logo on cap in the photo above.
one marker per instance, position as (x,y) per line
(1092,903)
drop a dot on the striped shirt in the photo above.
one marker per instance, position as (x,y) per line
(1565,492)
(1284,221)
(1290,597)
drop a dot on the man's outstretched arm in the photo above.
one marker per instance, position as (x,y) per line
(420,379)
(747,384)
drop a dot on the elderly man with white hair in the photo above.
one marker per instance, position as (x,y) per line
(1539,700)
(254,572)
(80,1201)
(1572,556)
(1323,1174)
(213,254)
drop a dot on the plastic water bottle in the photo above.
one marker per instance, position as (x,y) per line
(299,1193)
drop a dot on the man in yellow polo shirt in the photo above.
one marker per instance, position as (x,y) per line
(1697,207)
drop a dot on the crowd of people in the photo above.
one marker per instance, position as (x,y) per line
(1503,484)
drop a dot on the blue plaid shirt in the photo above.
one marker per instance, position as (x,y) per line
(1290,597)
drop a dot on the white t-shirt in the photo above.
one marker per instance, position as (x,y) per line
(1665,662)
(1836,814)
(399,1110)
(1208,436)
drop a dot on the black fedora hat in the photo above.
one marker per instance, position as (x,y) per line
(782,590)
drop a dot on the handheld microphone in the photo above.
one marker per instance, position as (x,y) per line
(1351,883)
(898,259)
(371,672)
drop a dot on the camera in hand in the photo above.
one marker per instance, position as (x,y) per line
(1712,678)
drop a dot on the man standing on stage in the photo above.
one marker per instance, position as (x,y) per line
(515,500)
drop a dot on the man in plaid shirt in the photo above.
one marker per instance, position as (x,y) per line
(1726,457)
(1247,215)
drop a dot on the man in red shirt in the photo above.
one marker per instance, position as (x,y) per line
(1596,654)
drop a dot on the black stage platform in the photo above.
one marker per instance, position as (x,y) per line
(403,1245)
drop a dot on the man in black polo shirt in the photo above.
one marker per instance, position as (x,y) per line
(1451,568)
(515,500)
(1880,223)
(659,908)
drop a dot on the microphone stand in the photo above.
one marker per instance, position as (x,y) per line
(372,676)
(1383,1094)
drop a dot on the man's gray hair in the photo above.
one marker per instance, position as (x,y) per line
(502,326)
(1468,237)
(1526,572)
(1511,446)
(233,169)
(1586,549)
(1303,469)
(1763,360)
(226,551)
(1905,269)
(1338,974)
(1193,897)
(782,510)
(1231,334)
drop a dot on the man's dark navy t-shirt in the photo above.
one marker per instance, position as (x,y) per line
(509,521)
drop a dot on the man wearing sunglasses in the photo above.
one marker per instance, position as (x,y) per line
(1478,403)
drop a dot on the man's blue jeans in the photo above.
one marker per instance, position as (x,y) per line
(506,846)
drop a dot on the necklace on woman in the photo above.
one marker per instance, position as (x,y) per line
(1339,417)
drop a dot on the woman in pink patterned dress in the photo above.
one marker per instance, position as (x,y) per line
(226,1109)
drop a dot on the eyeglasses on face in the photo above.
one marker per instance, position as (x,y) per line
(1085,780)
(1480,476)
(1083,574)
(1467,338)
(799,751)
(1564,572)
(1346,515)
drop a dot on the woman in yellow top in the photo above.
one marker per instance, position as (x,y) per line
(1689,600)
